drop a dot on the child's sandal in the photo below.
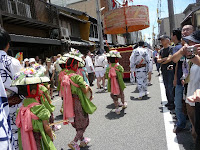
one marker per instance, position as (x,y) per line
(85,142)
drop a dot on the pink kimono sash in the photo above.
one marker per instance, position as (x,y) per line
(65,92)
(79,71)
(115,90)
(24,122)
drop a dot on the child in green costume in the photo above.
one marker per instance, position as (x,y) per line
(33,117)
(114,74)
(78,106)
(45,97)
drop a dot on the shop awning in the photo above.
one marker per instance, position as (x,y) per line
(72,17)
(35,40)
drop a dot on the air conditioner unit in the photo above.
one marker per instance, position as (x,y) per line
(64,32)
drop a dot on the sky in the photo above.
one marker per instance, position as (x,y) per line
(179,7)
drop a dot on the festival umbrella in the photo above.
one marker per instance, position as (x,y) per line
(126,19)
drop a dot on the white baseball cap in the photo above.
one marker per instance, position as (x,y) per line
(32,60)
(26,59)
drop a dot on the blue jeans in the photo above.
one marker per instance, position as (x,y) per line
(181,118)
(168,77)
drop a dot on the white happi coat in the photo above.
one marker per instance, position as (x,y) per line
(141,73)
(6,138)
(9,66)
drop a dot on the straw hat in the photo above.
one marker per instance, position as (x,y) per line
(63,60)
(75,54)
(114,53)
(40,69)
(82,64)
(29,76)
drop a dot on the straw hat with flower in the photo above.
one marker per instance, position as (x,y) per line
(114,53)
(63,60)
(75,54)
(29,76)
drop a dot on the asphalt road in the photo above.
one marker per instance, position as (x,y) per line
(139,127)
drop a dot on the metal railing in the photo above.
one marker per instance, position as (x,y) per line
(31,9)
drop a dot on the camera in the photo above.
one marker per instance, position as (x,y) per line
(170,67)
(191,49)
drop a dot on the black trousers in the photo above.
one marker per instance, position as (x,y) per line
(91,78)
(168,77)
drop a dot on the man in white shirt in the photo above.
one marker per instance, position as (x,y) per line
(90,68)
(150,53)
(139,63)
(9,66)
(100,62)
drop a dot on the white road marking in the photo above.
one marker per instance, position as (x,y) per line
(172,143)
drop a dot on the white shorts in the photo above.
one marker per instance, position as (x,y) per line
(99,73)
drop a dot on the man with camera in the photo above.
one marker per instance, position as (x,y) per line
(192,53)
(165,59)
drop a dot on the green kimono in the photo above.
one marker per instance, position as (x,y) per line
(43,114)
(86,104)
(44,100)
(119,77)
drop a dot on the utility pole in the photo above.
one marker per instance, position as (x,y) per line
(171,15)
(153,37)
(100,34)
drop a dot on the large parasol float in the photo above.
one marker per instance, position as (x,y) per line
(126,19)
(123,20)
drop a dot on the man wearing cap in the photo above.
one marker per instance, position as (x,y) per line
(8,67)
(186,65)
(139,63)
(167,69)
(194,83)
